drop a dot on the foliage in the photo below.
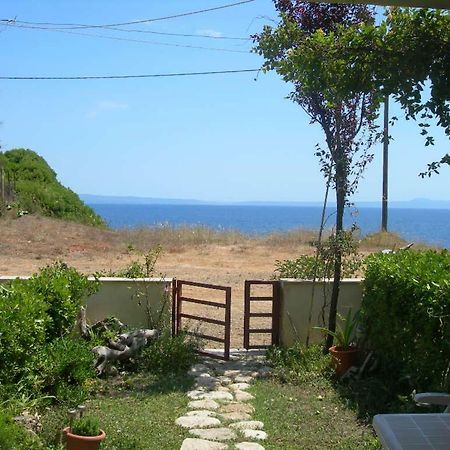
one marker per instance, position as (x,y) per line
(37,362)
(86,426)
(61,369)
(299,364)
(38,190)
(345,333)
(169,355)
(405,311)
(321,266)
(304,49)
(138,269)
(13,436)
(23,325)
(64,290)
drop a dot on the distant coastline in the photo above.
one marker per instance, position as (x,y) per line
(418,203)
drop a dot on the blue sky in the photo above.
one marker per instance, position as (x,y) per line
(219,138)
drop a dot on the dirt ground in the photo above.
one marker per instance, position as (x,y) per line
(31,242)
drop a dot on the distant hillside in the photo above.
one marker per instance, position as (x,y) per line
(31,184)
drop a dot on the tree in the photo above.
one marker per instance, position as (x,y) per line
(305,49)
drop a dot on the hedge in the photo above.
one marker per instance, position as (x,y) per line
(406,311)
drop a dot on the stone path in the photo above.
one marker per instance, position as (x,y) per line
(219,416)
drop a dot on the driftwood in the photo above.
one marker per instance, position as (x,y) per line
(124,348)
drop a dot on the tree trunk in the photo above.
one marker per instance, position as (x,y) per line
(341,192)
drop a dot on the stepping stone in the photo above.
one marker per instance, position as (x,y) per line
(203,404)
(236,416)
(197,422)
(239,386)
(208,382)
(244,379)
(264,372)
(236,407)
(248,425)
(225,380)
(214,395)
(201,413)
(196,394)
(249,446)
(242,396)
(214,434)
(254,434)
(232,373)
(201,444)
(198,369)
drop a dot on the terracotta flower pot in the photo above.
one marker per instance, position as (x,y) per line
(344,358)
(76,442)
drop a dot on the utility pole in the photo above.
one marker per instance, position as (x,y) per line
(384,201)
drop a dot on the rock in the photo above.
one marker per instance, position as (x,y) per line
(201,444)
(244,379)
(198,369)
(203,404)
(264,372)
(239,386)
(242,396)
(236,407)
(213,395)
(207,382)
(197,422)
(225,380)
(196,394)
(249,446)
(214,434)
(236,416)
(248,425)
(254,434)
(201,413)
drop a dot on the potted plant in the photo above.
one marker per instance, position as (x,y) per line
(344,352)
(84,432)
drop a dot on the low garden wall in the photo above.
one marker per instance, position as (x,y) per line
(295,305)
(137,302)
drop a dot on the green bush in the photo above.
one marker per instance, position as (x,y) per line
(14,437)
(299,364)
(23,325)
(61,369)
(64,290)
(406,310)
(169,355)
(321,267)
(33,315)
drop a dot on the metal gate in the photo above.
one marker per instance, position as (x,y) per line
(274,314)
(178,314)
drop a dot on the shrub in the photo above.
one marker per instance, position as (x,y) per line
(406,310)
(14,437)
(308,267)
(64,290)
(61,369)
(298,364)
(169,355)
(23,324)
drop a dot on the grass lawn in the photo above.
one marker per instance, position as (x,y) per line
(138,412)
(308,416)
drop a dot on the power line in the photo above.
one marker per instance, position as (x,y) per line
(18,24)
(140,41)
(134,22)
(121,77)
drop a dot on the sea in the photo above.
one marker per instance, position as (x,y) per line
(430,226)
